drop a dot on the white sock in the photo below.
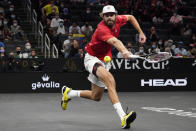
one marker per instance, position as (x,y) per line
(74,93)
(119,110)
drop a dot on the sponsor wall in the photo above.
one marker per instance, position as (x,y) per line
(41,82)
(173,75)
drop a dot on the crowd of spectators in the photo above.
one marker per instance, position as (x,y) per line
(70,25)
(62,27)
(172,25)
(9,22)
(11,33)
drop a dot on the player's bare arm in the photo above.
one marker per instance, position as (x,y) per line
(119,46)
(133,21)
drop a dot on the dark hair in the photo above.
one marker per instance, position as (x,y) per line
(33,50)
(18,46)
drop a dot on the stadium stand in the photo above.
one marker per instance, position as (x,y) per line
(145,12)
(154,13)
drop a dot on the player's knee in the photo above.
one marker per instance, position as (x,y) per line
(96,98)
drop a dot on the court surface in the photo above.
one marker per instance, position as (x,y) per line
(42,112)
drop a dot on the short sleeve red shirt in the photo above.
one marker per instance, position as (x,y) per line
(98,46)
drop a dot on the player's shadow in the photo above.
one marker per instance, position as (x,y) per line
(90,126)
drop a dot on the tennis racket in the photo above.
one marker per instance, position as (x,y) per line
(154,57)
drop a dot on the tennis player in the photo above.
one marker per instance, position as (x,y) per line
(104,37)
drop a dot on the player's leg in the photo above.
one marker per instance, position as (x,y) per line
(107,78)
(68,93)
(95,93)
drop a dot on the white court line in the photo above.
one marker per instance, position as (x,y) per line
(193,109)
(171,111)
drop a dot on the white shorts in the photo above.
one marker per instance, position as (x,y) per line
(89,62)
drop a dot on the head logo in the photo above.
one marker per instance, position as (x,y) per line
(164,82)
(45,77)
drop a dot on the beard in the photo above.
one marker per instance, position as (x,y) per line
(110,23)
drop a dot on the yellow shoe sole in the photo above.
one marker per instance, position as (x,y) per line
(65,98)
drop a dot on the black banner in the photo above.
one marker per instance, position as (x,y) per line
(140,66)
(155,81)
(41,82)
(49,75)
(52,82)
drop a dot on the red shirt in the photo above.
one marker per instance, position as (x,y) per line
(98,46)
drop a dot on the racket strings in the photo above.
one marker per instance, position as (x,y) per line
(158,57)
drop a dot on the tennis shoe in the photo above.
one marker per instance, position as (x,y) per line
(128,119)
(65,98)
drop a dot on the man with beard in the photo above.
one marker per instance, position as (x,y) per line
(104,37)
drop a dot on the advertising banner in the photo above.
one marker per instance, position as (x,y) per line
(172,75)
(172,65)
(125,82)
(41,82)
(155,82)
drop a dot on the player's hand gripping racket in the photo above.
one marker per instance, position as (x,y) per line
(154,57)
